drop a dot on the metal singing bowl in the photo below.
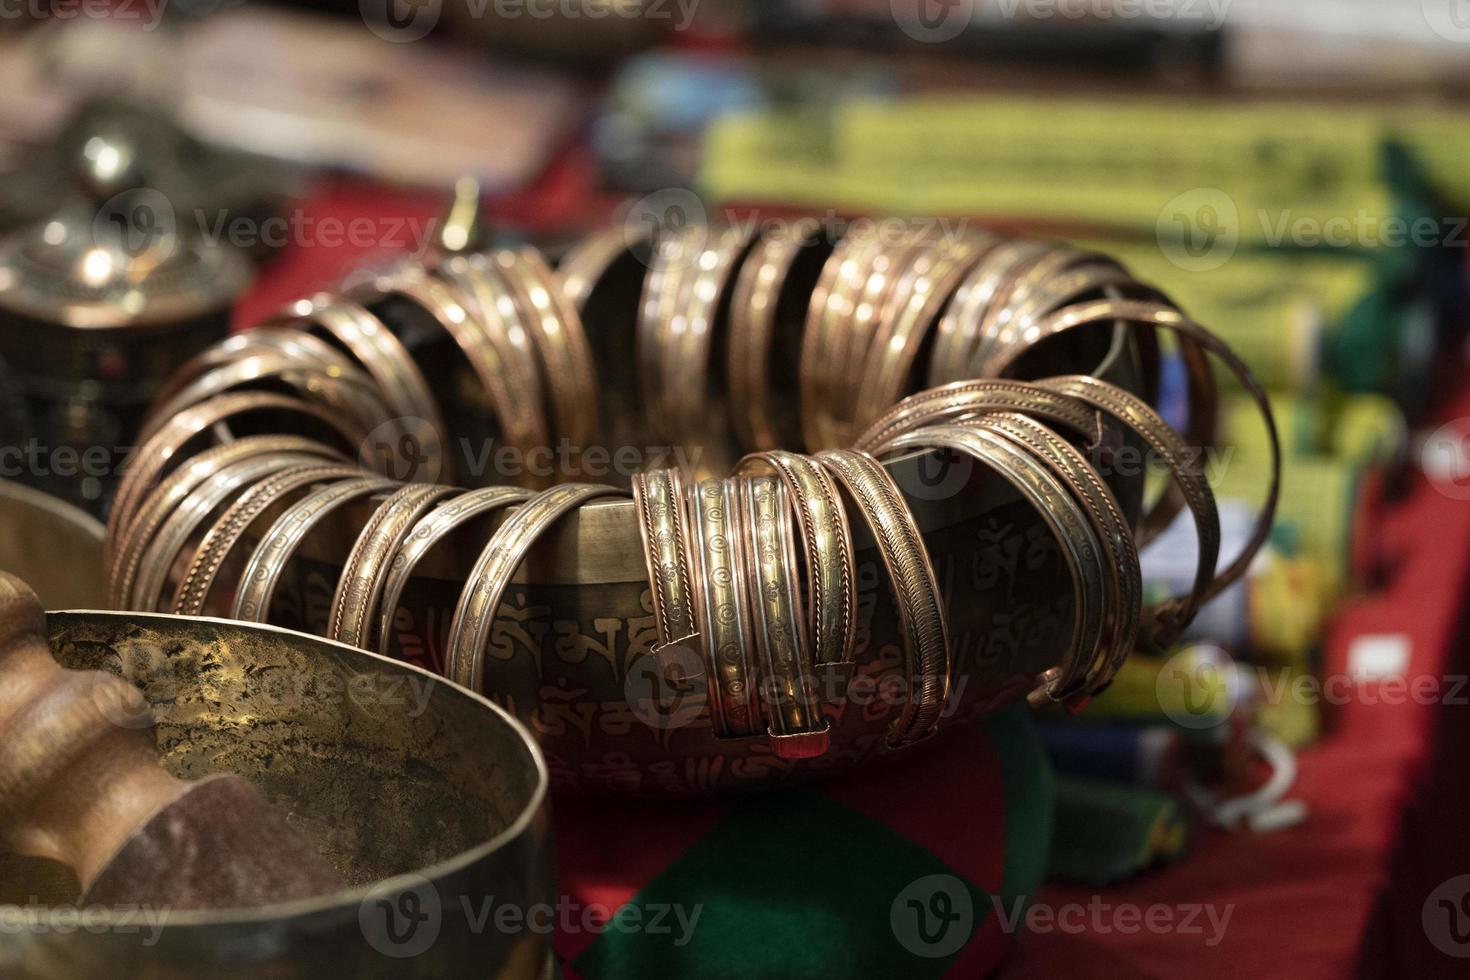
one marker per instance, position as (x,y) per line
(429,800)
(54,547)
(570,651)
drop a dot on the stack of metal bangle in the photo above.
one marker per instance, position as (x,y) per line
(902,476)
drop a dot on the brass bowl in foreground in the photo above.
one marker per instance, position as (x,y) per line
(430,801)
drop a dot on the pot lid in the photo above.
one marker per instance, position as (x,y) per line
(117,253)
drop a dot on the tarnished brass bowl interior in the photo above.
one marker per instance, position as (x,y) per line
(429,800)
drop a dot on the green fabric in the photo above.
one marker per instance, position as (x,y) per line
(795,883)
(1030,792)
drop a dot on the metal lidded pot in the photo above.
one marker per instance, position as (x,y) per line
(99,303)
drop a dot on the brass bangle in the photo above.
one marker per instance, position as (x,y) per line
(1123,602)
(1203,342)
(583,267)
(191,598)
(927,286)
(493,364)
(287,341)
(559,340)
(432,528)
(507,547)
(658,502)
(691,414)
(279,543)
(921,614)
(722,613)
(753,308)
(167,447)
(1062,514)
(358,588)
(164,549)
(345,390)
(962,399)
(787,694)
(156,507)
(382,355)
(658,305)
(826,536)
(825,341)
(876,303)
(1016,285)
(1188,477)
(488,295)
(958,333)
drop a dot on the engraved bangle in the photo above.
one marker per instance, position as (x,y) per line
(432,528)
(722,615)
(582,268)
(355,600)
(826,537)
(492,301)
(343,390)
(1060,511)
(923,625)
(165,548)
(191,598)
(824,338)
(658,503)
(1203,341)
(1188,478)
(521,421)
(309,349)
(927,286)
(382,355)
(1123,601)
(874,306)
(962,399)
(279,543)
(692,410)
(167,448)
(657,306)
(122,569)
(787,691)
(958,333)
(475,613)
